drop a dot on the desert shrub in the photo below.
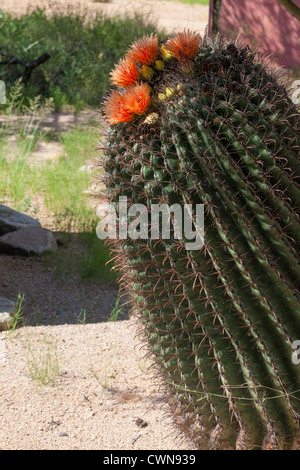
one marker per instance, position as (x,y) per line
(82,52)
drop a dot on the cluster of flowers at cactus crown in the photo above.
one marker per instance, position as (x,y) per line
(131,75)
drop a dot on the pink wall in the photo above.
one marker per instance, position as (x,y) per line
(266,23)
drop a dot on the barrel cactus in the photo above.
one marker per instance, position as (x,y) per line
(207,121)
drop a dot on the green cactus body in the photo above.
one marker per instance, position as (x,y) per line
(220,321)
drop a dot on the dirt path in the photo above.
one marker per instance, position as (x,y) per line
(101,394)
(168,15)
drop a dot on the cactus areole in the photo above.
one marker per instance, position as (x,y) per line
(206,121)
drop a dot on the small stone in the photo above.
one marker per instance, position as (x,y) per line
(141,423)
(7,310)
(63,434)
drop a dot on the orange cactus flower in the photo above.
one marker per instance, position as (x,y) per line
(145,49)
(123,108)
(137,98)
(115,110)
(184,45)
(125,74)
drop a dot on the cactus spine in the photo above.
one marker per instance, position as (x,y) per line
(214,125)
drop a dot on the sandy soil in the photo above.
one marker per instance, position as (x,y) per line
(100,395)
(66,385)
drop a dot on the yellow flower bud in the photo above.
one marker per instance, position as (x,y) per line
(159,64)
(170,92)
(147,72)
(161,97)
(166,55)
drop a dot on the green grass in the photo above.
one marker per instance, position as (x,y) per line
(117,310)
(17,180)
(60,182)
(63,184)
(60,185)
(19,319)
(82,53)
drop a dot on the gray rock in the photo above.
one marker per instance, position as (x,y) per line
(28,241)
(11,220)
(7,311)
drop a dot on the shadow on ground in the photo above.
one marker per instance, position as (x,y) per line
(62,288)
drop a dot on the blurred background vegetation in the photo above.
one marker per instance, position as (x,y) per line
(55,189)
(82,53)
(83,50)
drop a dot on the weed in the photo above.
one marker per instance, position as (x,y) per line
(18,319)
(81,318)
(98,375)
(43,364)
(117,311)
